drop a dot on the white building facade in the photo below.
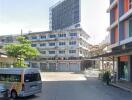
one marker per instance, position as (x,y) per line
(60,50)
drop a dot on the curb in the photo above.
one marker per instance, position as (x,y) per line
(121,87)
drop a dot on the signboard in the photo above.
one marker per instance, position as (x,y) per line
(124,58)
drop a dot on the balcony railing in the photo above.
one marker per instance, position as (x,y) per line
(113,25)
(113,45)
(126,41)
(126,15)
(112,5)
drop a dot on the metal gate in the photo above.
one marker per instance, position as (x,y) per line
(43,66)
(63,67)
(52,67)
(74,67)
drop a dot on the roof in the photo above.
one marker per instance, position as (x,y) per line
(1,53)
(58,31)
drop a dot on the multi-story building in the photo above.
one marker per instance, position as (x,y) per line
(6,39)
(60,50)
(65,14)
(6,61)
(121,37)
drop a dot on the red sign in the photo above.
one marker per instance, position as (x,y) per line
(124,58)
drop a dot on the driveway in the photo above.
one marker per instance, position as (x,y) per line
(77,86)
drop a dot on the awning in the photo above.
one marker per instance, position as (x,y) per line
(115,53)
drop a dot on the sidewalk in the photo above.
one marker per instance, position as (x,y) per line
(91,73)
(127,86)
(123,85)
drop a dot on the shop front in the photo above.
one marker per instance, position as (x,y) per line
(123,68)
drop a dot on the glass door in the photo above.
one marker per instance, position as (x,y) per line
(124,71)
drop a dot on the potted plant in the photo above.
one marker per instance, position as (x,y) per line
(106,77)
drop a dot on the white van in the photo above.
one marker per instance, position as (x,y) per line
(21,81)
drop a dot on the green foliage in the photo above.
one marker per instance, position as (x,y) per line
(23,40)
(13,50)
(21,50)
(20,63)
(106,77)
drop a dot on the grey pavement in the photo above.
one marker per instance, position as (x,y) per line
(76,86)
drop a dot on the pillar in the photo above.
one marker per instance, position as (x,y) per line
(102,63)
(113,64)
(38,64)
(118,69)
(130,69)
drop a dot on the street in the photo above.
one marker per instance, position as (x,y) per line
(75,86)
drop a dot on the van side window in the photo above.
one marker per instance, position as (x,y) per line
(10,77)
(32,77)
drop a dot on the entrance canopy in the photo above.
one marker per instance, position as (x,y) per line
(115,53)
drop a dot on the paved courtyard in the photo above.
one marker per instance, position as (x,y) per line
(75,86)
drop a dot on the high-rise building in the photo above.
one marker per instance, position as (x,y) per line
(65,15)
(121,38)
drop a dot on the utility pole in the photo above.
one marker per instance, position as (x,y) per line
(21,32)
(20,53)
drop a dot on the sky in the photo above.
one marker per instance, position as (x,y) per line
(33,15)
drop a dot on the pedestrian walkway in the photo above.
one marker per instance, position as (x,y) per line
(120,84)
(91,72)
(62,76)
(123,85)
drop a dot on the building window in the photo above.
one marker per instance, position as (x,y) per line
(43,44)
(34,37)
(72,51)
(51,44)
(81,43)
(62,43)
(52,36)
(33,45)
(51,52)
(62,35)
(72,43)
(80,52)
(43,52)
(43,37)
(61,52)
(3,40)
(130,28)
(73,34)
(130,4)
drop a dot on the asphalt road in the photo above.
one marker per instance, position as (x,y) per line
(75,86)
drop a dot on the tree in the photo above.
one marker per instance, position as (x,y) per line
(21,50)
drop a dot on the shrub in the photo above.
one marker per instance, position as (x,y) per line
(106,77)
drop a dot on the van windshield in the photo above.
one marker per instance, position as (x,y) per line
(32,77)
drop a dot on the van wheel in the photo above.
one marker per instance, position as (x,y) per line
(14,94)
